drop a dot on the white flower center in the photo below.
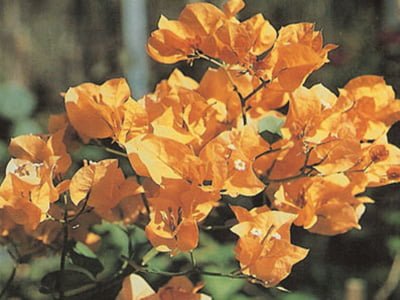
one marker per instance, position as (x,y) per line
(239,165)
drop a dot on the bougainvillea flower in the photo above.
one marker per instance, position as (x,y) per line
(135,287)
(49,149)
(229,158)
(27,191)
(102,184)
(166,95)
(177,207)
(176,40)
(241,43)
(203,27)
(297,52)
(264,249)
(192,113)
(103,111)
(378,165)
(325,205)
(370,104)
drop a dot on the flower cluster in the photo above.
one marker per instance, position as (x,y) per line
(192,143)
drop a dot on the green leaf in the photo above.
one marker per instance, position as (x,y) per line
(82,256)
(393,244)
(27,126)
(213,253)
(16,101)
(71,280)
(298,296)
(3,151)
(7,264)
(222,288)
(270,128)
(392,217)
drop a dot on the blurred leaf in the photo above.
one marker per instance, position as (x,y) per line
(222,288)
(7,264)
(71,280)
(298,296)
(3,152)
(392,217)
(114,244)
(89,152)
(83,257)
(27,126)
(240,297)
(393,244)
(211,252)
(16,101)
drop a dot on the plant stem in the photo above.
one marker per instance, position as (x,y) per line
(64,250)
(144,198)
(116,152)
(242,98)
(193,270)
(210,59)
(193,260)
(257,89)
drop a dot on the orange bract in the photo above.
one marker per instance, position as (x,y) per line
(26,192)
(203,27)
(180,287)
(177,207)
(229,158)
(102,185)
(104,111)
(264,249)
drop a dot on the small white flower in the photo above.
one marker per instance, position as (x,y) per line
(239,165)
(256,232)
(276,235)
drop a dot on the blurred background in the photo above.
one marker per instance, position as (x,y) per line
(47,46)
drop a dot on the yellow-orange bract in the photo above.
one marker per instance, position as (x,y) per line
(104,111)
(102,185)
(26,192)
(177,208)
(264,249)
(230,158)
(180,287)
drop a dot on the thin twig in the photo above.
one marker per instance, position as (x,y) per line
(257,89)
(64,251)
(193,270)
(193,260)
(80,212)
(143,196)
(116,152)
(268,152)
(210,59)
